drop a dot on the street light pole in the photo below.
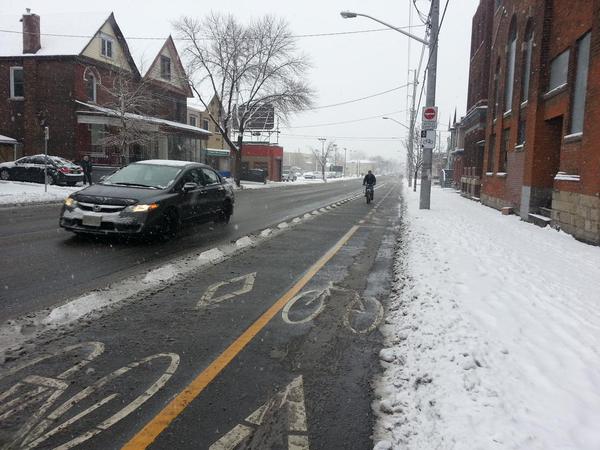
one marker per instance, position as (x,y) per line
(432,42)
(322,162)
(425,195)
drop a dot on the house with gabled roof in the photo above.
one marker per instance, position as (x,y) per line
(63,71)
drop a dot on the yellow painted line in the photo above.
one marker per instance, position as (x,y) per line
(163,419)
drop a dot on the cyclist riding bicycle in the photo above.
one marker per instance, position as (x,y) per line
(370,181)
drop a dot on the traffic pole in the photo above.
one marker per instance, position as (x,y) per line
(425,195)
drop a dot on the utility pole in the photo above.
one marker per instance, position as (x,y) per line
(46,137)
(322,162)
(345,162)
(425,196)
(410,157)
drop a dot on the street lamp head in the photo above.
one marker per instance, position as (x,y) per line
(348,14)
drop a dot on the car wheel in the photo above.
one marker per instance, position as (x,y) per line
(225,214)
(4,175)
(169,227)
(71,183)
(50,179)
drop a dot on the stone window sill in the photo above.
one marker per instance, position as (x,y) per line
(501,174)
(575,137)
(554,92)
(489,174)
(519,148)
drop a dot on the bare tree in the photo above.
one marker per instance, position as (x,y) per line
(323,154)
(129,99)
(248,67)
(415,159)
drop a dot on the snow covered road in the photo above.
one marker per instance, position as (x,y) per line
(493,335)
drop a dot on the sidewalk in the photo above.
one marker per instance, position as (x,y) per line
(20,192)
(493,334)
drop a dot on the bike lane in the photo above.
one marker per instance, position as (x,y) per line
(311,365)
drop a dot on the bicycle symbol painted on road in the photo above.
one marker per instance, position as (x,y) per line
(28,407)
(362,315)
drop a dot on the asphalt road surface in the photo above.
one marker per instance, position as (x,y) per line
(275,347)
(42,264)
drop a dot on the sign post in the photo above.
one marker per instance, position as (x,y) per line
(46,137)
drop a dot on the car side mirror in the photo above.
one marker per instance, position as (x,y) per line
(190,186)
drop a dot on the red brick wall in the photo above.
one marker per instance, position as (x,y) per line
(48,97)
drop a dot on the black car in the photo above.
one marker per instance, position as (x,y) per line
(151,197)
(259,175)
(31,168)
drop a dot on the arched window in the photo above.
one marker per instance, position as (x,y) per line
(527,55)
(90,87)
(511,50)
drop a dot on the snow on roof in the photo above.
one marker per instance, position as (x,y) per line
(7,140)
(150,119)
(76,29)
(165,162)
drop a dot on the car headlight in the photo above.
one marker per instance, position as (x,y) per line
(143,208)
(69,202)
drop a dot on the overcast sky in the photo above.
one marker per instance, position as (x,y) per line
(344,67)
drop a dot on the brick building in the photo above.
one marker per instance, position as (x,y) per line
(71,85)
(265,156)
(542,151)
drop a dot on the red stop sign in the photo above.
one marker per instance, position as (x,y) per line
(429,113)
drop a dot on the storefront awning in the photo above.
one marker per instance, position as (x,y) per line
(217,152)
(7,140)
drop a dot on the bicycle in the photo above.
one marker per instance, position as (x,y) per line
(32,397)
(369,193)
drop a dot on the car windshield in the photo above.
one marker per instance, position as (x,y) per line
(144,175)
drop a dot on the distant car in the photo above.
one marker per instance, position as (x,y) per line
(286,175)
(259,175)
(153,197)
(31,168)
(309,176)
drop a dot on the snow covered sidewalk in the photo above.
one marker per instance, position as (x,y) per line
(17,192)
(493,334)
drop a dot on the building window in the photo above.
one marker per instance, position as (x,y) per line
(107,47)
(511,50)
(581,76)
(559,70)
(193,121)
(90,88)
(491,148)
(522,127)
(504,150)
(165,68)
(527,55)
(495,93)
(17,83)
(205,124)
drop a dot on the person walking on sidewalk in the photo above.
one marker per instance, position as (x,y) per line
(86,165)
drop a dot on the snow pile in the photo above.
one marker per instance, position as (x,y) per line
(12,192)
(493,334)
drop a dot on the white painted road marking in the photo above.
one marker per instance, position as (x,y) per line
(43,392)
(289,403)
(312,296)
(209,296)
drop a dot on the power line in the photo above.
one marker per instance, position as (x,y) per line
(346,121)
(361,98)
(358,138)
(162,38)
